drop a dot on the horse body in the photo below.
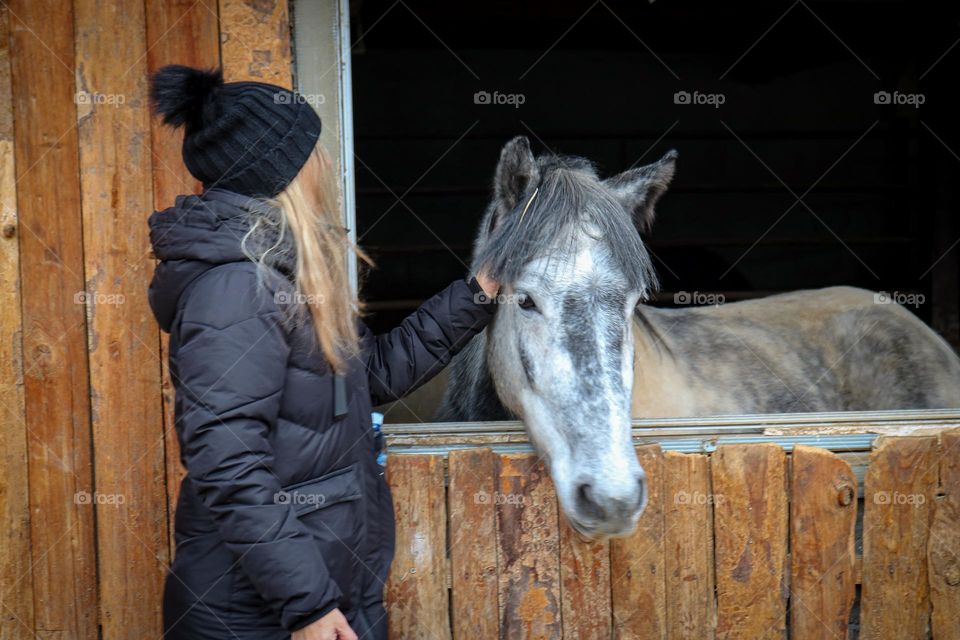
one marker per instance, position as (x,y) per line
(574,353)
(833,349)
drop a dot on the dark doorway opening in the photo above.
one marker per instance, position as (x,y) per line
(805,158)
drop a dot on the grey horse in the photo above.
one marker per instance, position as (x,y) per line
(575,354)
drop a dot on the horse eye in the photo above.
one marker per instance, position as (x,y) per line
(525,302)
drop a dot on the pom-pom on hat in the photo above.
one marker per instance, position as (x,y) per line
(248,137)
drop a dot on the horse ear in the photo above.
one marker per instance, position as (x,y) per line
(516,172)
(639,189)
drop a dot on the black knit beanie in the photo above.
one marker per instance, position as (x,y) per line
(248,137)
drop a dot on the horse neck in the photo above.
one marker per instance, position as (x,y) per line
(658,381)
(650,341)
(470,393)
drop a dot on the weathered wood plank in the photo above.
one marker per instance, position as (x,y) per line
(178,32)
(637,562)
(16,583)
(688,558)
(898,507)
(116,181)
(416,590)
(255,41)
(823,516)
(943,550)
(529,588)
(56,391)
(473,543)
(585,593)
(750,519)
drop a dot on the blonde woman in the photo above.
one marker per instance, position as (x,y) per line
(284,526)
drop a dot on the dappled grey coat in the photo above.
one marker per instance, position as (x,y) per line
(284,513)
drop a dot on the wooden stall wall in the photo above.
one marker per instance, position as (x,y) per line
(90,460)
(746,543)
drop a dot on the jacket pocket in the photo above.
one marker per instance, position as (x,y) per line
(330,508)
(339,486)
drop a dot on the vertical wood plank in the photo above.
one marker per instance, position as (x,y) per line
(585,575)
(636,563)
(473,543)
(750,520)
(943,550)
(16,583)
(688,558)
(823,517)
(416,592)
(116,191)
(255,41)
(178,32)
(526,507)
(899,490)
(56,392)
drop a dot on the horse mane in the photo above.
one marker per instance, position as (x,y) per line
(570,199)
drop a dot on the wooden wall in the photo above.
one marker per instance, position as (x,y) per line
(89,458)
(746,542)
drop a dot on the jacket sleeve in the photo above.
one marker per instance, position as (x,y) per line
(403,359)
(231,364)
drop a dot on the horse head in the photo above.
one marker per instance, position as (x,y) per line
(564,244)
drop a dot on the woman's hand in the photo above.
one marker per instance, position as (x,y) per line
(332,626)
(490,286)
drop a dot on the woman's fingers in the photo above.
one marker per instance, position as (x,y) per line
(333,626)
(344,631)
(490,286)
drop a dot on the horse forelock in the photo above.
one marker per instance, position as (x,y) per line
(571,204)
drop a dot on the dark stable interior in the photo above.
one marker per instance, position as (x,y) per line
(803,177)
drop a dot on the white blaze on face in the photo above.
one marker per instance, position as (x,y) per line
(566,369)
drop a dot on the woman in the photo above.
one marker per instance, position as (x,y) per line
(284,524)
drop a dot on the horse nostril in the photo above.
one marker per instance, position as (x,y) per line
(586,503)
(642,494)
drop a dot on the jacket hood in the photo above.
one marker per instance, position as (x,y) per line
(201,232)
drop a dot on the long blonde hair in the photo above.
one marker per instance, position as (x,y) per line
(310,215)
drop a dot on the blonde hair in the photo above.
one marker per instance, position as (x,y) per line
(310,215)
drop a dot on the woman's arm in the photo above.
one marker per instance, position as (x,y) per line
(403,359)
(231,365)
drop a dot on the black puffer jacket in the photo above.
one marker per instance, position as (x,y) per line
(284,513)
